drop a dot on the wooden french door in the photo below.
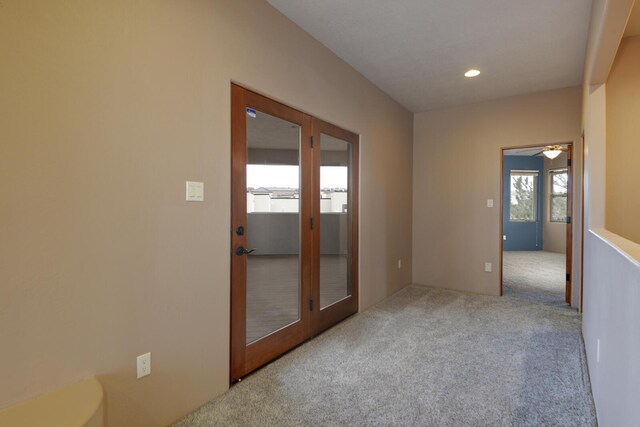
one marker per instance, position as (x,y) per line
(293,228)
(335,241)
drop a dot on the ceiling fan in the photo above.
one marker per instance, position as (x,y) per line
(551,151)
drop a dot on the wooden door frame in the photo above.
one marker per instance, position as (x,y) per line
(582,226)
(569,235)
(325,318)
(569,230)
(244,358)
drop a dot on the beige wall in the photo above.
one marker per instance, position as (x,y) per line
(622,213)
(554,234)
(608,21)
(611,272)
(457,168)
(107,109)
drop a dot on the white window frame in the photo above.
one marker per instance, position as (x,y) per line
(553,194)
(524,172)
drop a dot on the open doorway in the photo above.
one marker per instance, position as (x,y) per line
(536,223)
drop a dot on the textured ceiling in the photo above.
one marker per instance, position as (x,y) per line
(530,151)
(272,133)
(417,50)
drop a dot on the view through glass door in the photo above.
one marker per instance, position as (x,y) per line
(337,208)
(293,231)
(273,224)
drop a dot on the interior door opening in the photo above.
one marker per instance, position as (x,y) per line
(294,228)
(536,224)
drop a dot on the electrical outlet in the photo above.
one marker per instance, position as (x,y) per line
(399,264)
(504,237)
(489,203)
(487,267)
(143,363)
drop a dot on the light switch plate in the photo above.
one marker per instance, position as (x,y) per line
(487,267)
(195,191)
(143,365)
(489,203)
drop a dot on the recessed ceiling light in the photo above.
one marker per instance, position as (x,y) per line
(472,73)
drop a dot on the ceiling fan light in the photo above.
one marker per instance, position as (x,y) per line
(552,154)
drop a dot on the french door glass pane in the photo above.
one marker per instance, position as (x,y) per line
(273,224)
(335,223)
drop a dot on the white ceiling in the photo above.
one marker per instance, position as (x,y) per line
(273,133)
(529,151)
(417,50)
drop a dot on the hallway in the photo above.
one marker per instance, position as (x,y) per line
(424,356)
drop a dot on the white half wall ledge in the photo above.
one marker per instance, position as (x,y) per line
(626,248)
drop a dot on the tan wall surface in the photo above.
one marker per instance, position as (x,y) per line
(611,275)
(107,109)
(622,213)
(607,26)
(554,234)
(457,168)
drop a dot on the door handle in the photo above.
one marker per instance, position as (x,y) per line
(242,251)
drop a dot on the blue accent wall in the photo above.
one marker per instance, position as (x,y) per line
(522,236)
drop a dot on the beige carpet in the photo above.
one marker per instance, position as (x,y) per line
(423,357)
(535,276)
